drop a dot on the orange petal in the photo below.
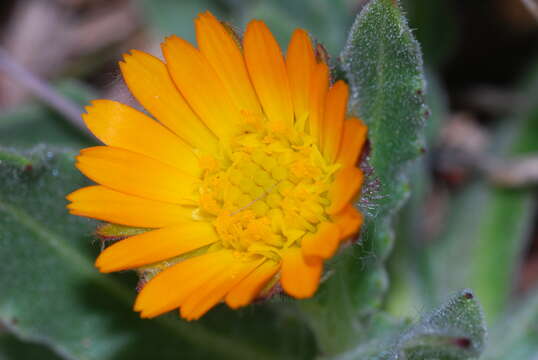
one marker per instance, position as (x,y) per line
(323,243)
(300,61)
(300,278)
(268,72)
(347,183)
(353,138)
(148,79)
(121,126)
(172,286)
(223,53)
(101,203)
(138,175)
(333,120)
(156,245)
(201,87)
(318,92)
(349,220)
(247,290)
(210,293)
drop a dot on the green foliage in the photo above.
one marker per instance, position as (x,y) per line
(384,67)
(408,267)
(516,336)
(488,245)
(454,331)
(12,348)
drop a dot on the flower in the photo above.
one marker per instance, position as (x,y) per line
(244,184)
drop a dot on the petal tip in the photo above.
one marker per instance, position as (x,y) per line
(300,33)
(256,23)
(71,196)
(206,15)
(100,266)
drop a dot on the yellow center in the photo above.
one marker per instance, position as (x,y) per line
(268,192)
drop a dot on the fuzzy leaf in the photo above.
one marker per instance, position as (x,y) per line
(455,331)
(384,68)
(408,265)
(52,294)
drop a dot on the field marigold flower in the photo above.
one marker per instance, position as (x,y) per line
(245,182)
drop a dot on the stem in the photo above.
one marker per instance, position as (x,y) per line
(68,109)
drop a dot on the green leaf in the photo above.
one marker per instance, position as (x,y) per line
(455,331)
(14,160)
(515,337)
(385,71)
(484,251)
(384,68)
(12,348)
(408,264)
(52,294)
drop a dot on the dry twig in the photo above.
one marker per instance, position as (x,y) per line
(517,172)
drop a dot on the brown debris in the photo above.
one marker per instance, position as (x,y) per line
(463,143)
(517,172)
(31,38)
(50,37)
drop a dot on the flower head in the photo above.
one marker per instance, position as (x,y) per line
(245,181)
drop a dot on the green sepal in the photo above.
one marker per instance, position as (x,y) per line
(114,232)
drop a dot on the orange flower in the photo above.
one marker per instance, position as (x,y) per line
(244,183)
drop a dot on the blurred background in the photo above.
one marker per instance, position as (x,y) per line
(471,219)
